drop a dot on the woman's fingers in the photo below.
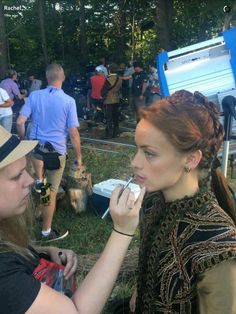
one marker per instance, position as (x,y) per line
(126,200)
(71,267)
(71,264)
(139,200)
(115,196)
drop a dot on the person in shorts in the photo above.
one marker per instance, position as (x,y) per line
(53,117)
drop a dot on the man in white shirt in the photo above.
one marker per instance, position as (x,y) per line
(5,110)
(33,83)
(103,67)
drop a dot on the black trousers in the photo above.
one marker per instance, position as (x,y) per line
(112,113)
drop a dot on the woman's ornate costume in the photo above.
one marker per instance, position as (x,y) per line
(180,240)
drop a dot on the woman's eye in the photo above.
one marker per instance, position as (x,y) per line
(17,177)
(149,154)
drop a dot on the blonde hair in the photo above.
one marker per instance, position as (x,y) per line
(15,233)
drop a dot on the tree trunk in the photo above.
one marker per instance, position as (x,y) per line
(202,29)
(83,49)
(42,30)
(3,44)
(132,22)
(121,29)
(164,11)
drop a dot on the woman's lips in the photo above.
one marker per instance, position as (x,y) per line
(139,179)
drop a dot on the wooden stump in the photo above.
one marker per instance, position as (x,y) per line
(78,187)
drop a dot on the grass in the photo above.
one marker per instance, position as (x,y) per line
(103,165)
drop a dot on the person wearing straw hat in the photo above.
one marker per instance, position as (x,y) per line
(20,291)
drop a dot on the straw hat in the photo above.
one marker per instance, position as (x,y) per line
(12,148)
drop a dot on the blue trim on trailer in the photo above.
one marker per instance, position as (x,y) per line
(161,59)
(230,42)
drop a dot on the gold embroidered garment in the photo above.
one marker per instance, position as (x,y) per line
(179,242)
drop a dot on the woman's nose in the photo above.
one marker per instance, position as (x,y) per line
(135,162)
(28,179)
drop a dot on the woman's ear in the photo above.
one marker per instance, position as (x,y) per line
(193,159)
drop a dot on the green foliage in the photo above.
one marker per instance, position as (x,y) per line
(113,28)
(196,21)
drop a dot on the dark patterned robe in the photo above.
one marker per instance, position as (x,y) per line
(179,241)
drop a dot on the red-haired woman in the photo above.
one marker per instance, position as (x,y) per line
(187,260)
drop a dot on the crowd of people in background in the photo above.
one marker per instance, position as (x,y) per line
(109,88)
(135,87)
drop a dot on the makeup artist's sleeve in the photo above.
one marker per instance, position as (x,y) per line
(216,289)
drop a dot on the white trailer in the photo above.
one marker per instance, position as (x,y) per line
(208,67)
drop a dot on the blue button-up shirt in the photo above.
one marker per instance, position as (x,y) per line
(52,113)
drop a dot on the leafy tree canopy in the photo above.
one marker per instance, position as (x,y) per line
(78,32)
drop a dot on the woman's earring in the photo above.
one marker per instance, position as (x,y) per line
(187,169)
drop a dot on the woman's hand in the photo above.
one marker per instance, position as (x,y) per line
(124,210)
(65,257)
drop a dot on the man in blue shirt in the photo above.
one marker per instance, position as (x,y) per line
(53,117)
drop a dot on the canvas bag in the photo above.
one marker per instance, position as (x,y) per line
(107,87)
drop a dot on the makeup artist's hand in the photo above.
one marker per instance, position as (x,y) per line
(124,209)
(64,257)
